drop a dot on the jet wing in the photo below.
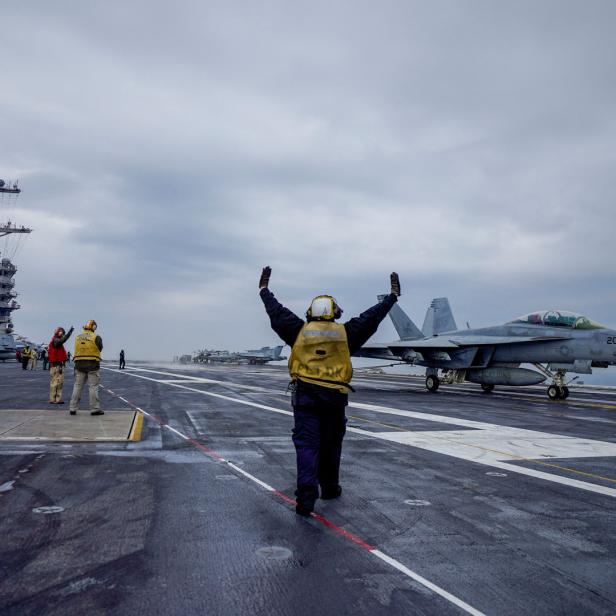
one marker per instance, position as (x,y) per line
(438,342)
(375,350)
(456,342)
(430,346)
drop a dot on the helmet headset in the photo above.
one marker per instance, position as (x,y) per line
(90,325)
(323,308)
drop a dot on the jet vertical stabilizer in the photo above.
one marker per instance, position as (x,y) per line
(439,318)
(407,330)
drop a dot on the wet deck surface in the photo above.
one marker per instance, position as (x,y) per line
(506,502)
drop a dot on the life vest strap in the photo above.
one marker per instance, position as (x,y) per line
(312,378)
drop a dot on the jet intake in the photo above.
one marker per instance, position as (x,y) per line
(505,376)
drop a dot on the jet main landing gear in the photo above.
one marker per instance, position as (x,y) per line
(432,382)
(487,387)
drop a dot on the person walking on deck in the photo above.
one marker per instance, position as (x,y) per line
(321,371)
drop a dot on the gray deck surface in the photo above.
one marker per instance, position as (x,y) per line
(505,500)
(57,424)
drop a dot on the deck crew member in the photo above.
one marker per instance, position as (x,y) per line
(321,370)
(122,362)
(57,358)
(25,357)
(87,360)
(33,358)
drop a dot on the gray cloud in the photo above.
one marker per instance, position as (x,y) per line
(166,154)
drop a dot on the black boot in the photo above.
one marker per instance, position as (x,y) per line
(303,510)
(331,492)
(306,496)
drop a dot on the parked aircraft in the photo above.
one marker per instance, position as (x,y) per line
(556,342)
(252,356)
(263,355)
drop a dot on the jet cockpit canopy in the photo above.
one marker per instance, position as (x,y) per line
(558,318)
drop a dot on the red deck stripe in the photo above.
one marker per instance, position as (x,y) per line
(284,497)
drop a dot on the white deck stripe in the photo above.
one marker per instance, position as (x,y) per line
(186,438)
(422,580)
(575,483)
(195,379)
(268,487)
(380,555)
(407,381)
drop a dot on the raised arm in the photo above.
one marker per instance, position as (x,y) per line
(58,342)
(67,335)
(284,322)
(359,329)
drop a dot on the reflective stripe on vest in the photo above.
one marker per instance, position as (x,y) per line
(321,356)
(85,346)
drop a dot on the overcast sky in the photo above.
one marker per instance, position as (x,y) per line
(167,151)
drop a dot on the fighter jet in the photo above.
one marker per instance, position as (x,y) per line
(252,356)
(556,342)
(263,355)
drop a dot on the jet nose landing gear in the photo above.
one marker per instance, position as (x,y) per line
(558,393)
(557,390)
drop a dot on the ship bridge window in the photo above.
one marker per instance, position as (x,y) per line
(558,318)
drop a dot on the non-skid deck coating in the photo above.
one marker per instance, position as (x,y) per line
(453,503)
(55,426)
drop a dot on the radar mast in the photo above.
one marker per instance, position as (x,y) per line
(9,192)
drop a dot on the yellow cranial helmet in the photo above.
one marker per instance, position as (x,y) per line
(323,308)
(91,325)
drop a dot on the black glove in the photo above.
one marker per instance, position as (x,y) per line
(265,276)
(395,283)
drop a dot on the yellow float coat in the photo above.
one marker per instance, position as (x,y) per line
(85,346)
(321,356)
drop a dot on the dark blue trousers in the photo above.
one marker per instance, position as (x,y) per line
(317,436)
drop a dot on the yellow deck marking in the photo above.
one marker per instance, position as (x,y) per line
(597,405)
(546,400)
(541,463)
(135,431)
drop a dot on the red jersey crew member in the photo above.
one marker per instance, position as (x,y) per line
(57,358)
(87,359)
(321,370)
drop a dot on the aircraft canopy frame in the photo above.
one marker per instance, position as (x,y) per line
(558,318)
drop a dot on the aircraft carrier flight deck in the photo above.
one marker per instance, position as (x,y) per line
(180,499)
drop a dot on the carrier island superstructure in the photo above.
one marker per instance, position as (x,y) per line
(8,296)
